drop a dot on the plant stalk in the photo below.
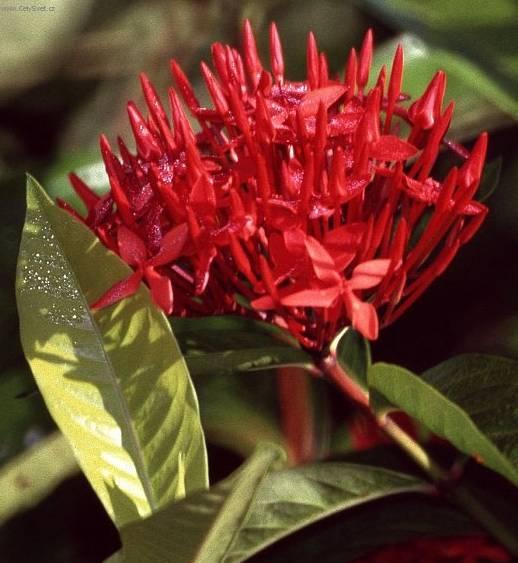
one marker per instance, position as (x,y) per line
(459,494)
(331,369)
(297,419)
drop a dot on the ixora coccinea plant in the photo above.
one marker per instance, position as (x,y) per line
(295,202)
(298,218)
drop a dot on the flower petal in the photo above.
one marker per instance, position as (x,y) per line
(323,265)
(203,198)
(369,274)
(426,192)
(161,289)
(88,196)
(390,147)
(344,123)
(363,315)
(131,247)
(264,303)
(295,240)
(474,208)
(346,237)
(171,245)
(353,186)
(328,96)
(120,290)
(312,297)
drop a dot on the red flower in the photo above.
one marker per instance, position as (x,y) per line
(294,202)
(434,550)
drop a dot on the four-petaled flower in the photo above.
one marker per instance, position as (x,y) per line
(293,202)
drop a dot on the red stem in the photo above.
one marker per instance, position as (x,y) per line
(459,493)
(352,390)
(294,393)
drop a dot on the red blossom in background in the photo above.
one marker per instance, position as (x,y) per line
(293,202)
(434,550)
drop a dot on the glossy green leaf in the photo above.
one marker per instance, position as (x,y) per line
(252,359)
(475,108)
(225,345)
(227,332)
(227,400)
(357,532)
(292,499)
(117,557)
(202,527)
(469,400)
(353,354)
(31,476)
(223,354)
(114,380)
(484,34)
(250,511)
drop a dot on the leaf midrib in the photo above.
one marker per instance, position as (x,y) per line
(139,460)
(235,491)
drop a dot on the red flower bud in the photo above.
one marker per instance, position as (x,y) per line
(298,197)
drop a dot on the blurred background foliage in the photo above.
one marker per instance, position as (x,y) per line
(65,76)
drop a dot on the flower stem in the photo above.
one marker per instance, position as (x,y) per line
(331,369)
(459,494)
(412,448)
(297,421)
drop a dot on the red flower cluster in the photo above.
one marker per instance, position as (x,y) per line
(434,550)
(294,202)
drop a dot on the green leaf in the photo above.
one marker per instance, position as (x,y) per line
(475,108)
(232,361)
(481,33)
(292,499)
(225,345)
(206,334)
(117,557)
(469,400)
(358,531)
(219,351)
(249,511)
(31,476)
(114,380)
(353,354)
(202,527)
(227,400)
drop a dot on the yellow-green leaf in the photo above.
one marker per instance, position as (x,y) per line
(114,380)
